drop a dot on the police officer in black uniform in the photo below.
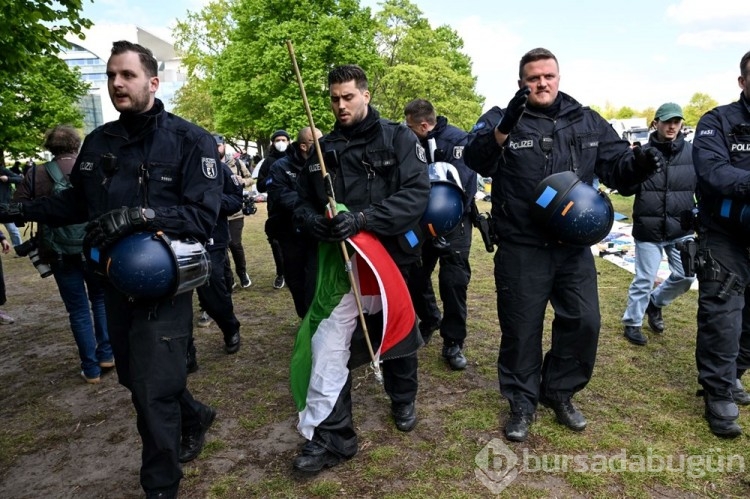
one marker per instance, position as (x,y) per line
(542,132)
(281,186)
(215,297)
(149,170)
(721,155)
(379,172)
(452,251)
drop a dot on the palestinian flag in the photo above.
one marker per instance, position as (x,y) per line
(330,339)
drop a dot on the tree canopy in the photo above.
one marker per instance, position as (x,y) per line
(239,66)
(37,89)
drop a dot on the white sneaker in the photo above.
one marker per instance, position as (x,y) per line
(5,318)
(204,320)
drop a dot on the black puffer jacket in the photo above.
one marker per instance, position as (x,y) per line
(661,199)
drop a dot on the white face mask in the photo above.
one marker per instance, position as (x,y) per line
(280,145)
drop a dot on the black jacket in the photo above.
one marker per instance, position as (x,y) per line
(168,164)
(5,187)
(661,200)
(577,139)
(380,170)
(231,202)
(281,186)
(721,155)
(273,156)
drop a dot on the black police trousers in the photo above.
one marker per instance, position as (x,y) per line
(149,341)
(723,342)
(453,281)
(300,265)
(215,296)
(527,278)
(336,433)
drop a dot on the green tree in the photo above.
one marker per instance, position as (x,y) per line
(37,90)
(421,62)
(253,89)
(699,105)
(33,28)
(41,95)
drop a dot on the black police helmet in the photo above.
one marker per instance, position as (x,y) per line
(571,211)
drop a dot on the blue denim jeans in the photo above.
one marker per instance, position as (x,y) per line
(13,234)
(647,260)
(77,288)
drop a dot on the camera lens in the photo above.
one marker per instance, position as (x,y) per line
(44,269)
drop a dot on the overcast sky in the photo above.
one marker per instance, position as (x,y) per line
(637,53)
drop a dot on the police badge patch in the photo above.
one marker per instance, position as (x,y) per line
(458,152)
(421,154)
(208,165)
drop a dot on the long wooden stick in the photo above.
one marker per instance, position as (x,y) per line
(332,206)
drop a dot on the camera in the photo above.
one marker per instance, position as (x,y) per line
(248,204)
(30,248)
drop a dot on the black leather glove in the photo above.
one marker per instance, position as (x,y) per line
(11,212)
(648,160)
(346,224)
(319,227)
(514,111)
(110,227)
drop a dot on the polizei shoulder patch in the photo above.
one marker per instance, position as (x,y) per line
(208,165)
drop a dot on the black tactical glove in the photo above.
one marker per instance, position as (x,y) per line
(346,224)
(648,160)
(11,212)
(110,227)
(319,227)
(514,111)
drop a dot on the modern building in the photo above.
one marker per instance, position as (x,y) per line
(90,57)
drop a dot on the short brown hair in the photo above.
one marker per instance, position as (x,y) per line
(62,139)
(148,61)
(348,72)
(535,55)
(421,110)
(744,70)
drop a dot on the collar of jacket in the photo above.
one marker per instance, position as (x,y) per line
(134,126)
(362,129)
(667,147)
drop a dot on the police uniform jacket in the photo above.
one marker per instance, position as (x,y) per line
(281,185)
(164,162)
(381,170)
(450,141)
(575,139)
(661,200)
(231,202)
(721,155)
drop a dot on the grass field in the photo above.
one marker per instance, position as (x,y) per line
(646,436)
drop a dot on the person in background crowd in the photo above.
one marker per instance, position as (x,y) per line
(8,181)
(660,203)
(4,318)
(63,250)
(279,143)
(281,185)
